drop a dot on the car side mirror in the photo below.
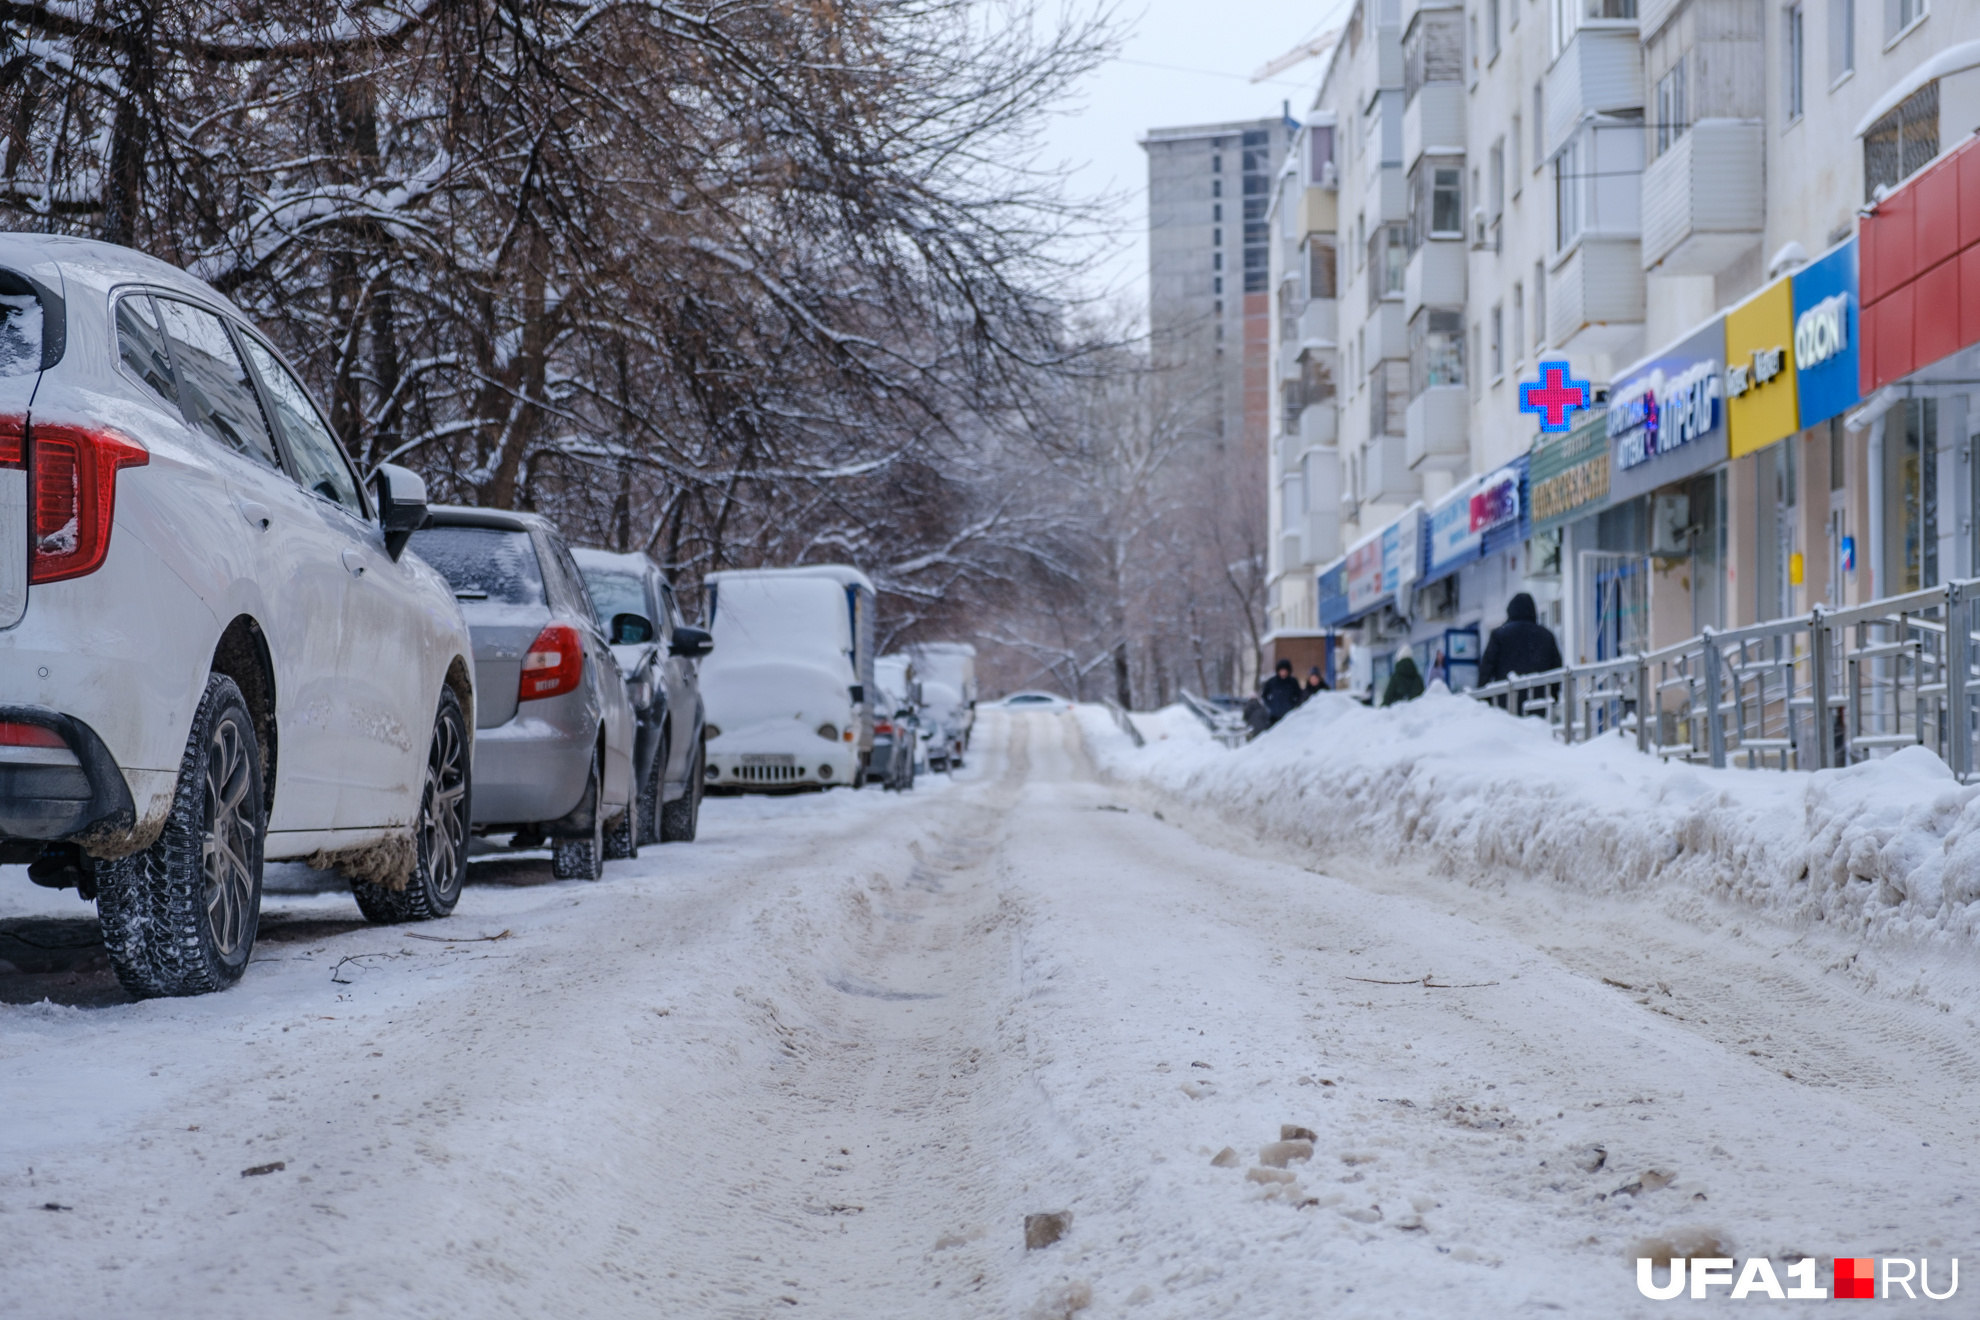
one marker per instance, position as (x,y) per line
(401,506)
(692,643)
(631,629)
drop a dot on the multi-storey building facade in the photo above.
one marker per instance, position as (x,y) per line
(1668,202)
(1209,265)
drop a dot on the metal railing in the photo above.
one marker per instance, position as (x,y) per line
(1122,722)
(1226,726)
(1830,688)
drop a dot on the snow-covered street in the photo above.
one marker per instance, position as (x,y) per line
(827,1059)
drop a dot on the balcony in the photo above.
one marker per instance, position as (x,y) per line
(1434,429)
(1320,324)
(1319,425)
(1320,537)
(1289,449)
(1435,276)
(1600,71)
(1595,297)
(1704,199)
(1323,480)
(1319,211)
(1434,121)
(1388,478)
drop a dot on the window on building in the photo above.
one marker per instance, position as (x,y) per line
(1436,196)
(1567,194)
(1433,50)
(1216,261)
(1320,156)
(1842,38)
(1217,212)
(1473,61)
(1901,14)
(1539,124)
(1598,178)
(1492,28)
(1216,164)
(1388,259)
(1257,269)
(1518,323)
(1539,305)
(1498,166)
(1512,144)
(1498,341)
(1436,349)
(1289,406)
(1217,237)
(1360,240)
(1673,114)
(1794,37)
(1216,187)
(1322,281)
(1609,9)
(1902,142)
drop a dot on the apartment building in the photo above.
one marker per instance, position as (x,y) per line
(1208,267)
(1668,202)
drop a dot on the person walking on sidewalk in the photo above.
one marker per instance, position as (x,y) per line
(1520,645)
(1280,693)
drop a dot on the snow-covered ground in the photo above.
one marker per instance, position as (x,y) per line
(827,1059)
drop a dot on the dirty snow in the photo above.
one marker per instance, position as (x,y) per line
(829,1059)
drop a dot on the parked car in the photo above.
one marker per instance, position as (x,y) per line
(896,723)
(1045,701)
(553,756)
(948,684)
(213,650)
(787,685)
(656,651)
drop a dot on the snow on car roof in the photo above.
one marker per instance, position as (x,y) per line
(843,574)
(760,614)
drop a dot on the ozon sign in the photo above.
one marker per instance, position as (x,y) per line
(1863,1277)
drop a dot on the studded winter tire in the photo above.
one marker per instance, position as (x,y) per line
(180,918)
(583,858)
(440,836)
(680,818)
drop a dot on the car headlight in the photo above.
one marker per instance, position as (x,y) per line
(829,732)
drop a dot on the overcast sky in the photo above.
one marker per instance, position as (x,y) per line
(1186,62)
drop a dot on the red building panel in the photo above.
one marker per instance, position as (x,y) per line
(1936,202)
(1969,196)
(1969,292)
(1935,332)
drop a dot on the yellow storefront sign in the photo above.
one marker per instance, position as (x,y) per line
(1760,380)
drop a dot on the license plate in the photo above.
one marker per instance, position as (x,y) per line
(768,758)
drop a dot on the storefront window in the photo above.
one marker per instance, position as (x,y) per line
(1918,487)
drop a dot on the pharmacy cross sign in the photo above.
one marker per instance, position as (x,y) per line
(1554,396)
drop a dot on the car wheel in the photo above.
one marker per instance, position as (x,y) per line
(622,835)
(180,917)
(583,858)
(651,794)
(679,818)
(440,839)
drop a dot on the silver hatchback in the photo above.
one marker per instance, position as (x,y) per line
(553,752)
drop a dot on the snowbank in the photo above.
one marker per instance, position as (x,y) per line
(1887,849)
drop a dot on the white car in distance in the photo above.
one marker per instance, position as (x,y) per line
(213,648)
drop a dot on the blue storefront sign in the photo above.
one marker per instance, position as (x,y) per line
(1825,334)
(1667,417)
(1333,594)
(1480,514)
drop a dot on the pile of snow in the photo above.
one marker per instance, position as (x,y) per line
(1887,849)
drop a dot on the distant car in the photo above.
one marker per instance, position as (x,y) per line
(553,755)
(669,751)
(895,732)
(213,651)
(947,671)
(1035,701)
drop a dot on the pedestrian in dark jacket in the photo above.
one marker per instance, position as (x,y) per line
(1315,682)
(1280,693)
(1520,645)
(1405,683)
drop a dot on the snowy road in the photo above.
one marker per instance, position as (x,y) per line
(827,1059)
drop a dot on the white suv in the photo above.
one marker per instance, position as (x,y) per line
(211,649)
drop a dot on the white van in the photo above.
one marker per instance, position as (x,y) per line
(787,687)
(948,685)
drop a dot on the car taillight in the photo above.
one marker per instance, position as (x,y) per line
(75,492)
(554,664)
(882,726)
(15,734)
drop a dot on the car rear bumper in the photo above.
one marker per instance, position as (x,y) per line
(530,770)
(76,792)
